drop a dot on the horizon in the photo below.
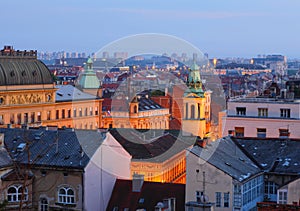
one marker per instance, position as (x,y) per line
(230,29)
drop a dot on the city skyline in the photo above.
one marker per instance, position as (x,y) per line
(221,29)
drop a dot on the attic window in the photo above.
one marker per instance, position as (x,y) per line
(23,73)
(228,164)
(12,73)
(34,73)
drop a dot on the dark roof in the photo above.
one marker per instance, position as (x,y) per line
(15,70)
(274,155)
(5,159)
(152,145)
(48,148)
(151,193)
(145,103)
(229,158)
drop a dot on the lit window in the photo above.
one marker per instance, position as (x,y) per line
(66,195)
(14,193)
(239,131)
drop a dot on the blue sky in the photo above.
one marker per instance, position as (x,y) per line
(231,28)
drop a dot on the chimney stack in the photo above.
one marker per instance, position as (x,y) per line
(137,182)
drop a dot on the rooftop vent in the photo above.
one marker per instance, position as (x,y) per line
(21,147)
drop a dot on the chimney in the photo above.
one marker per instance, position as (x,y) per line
(137,182)
(1,140)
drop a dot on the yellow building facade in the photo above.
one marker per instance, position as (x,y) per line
(29,96)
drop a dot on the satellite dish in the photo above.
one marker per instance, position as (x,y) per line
(204,199)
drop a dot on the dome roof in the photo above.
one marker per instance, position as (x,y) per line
(23,71)
(88,79)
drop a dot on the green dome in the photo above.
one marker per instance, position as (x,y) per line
(88,79)
(194,81)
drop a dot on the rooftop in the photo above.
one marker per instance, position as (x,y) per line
(22,68)
(225,155)
(273,155)
(152,145)
(49,148)
(71,93)
(123,196)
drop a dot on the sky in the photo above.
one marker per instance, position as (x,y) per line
(231,28)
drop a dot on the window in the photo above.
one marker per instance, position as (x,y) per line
(192,112)
(226,199)
(74,112)
(14,193)
(282,197)
(48,115)
(270,188)
(25,118)
(91,111)
(262,112)
(44,204)
(96,111)
(218,199)
(85,112)
(66,195)
(32,117)
(69,113)
(57,114)
(1,120)
(240,111)
(261,132)
(285,112)
(199,194)
(239,131)
(80,112)
(284,133)
(63,113)
(39,117)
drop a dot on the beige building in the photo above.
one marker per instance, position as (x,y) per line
(28,96)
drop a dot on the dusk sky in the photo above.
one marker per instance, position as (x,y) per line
(230,28)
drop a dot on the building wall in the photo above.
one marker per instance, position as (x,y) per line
(38,113)
(215,181)
(110,162)
(152,119)
(293,192)
(171,171)
(272,123)
(272,126)
(47,185)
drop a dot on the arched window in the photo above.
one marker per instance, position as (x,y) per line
(14,193)
(66,195)
(44,206)
(192,112)
(135,109)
